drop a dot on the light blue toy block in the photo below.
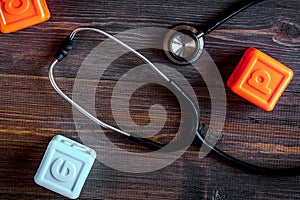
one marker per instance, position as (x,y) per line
(65,167)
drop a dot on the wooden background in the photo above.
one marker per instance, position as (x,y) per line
(31,112)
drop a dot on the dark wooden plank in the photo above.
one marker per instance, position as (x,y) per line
(31,112)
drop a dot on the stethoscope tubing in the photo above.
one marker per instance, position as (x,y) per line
(63,52)
(200,129)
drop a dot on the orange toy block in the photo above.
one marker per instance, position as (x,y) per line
(20,14)
(260,79)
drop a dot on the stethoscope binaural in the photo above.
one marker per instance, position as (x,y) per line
(183,45)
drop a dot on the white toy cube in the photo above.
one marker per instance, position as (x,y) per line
(65,167)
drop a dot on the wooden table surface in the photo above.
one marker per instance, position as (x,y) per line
(31,112)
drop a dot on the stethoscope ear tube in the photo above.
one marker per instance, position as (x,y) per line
(64,49)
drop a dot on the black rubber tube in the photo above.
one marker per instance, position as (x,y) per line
(228,15)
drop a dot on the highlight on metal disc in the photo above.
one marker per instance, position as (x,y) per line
(182,46)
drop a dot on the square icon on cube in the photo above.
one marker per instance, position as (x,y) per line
(260,79)
(20,14)
(65,167)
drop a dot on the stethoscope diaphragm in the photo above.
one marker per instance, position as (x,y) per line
(182,46)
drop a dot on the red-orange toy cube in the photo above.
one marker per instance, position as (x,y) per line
(260,79)
(19,14)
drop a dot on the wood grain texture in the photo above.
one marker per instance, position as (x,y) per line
(31,112)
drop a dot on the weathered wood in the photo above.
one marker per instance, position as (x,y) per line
(31,112)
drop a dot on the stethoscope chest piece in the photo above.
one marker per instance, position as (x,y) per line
(182,45)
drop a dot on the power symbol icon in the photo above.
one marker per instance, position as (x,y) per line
(63,170)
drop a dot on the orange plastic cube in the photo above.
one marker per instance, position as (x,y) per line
(260,79)
(19,14)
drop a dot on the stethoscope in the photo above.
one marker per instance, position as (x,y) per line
(183,45)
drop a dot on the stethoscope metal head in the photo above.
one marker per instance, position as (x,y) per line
(183,45)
